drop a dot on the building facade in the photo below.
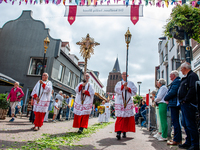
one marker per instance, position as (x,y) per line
(113,77)
(22,50)
(196,57)
(169,58)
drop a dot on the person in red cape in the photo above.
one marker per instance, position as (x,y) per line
(125,113)
(83,110)
(42,100)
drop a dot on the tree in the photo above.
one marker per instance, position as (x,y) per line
(136,99)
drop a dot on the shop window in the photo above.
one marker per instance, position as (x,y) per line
(61,72)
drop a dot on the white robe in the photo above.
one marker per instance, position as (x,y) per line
(107,110)
(45,96)
(119,104)
(86,108)
(102,117)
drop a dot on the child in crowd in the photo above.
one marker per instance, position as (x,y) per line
(55,109)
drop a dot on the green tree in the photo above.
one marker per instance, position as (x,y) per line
(136,99)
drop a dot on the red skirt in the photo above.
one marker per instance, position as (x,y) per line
(125,124)
(80,121)
(39,119)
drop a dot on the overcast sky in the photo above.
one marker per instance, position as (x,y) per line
(109,32)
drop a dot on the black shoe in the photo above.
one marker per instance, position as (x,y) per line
(79,131)
(184,146)
(193,148)
(118,136)
(124,135)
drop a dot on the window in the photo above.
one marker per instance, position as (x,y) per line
(110,77)
(35,66)
(70,78)
(116,76)
(113,77)
(172,63)
(76,81)
(60,72)
(163,74)
(167,76)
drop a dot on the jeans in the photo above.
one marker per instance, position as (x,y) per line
(67,113)
(137,117)
(189,124)
(176,124)
(143,113)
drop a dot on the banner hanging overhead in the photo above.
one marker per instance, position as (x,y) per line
(132,11)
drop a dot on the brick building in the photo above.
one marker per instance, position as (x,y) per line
(113,78)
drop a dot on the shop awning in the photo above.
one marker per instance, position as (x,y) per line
(7,81)
(99,96)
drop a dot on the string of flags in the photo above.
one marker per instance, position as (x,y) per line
(157,3)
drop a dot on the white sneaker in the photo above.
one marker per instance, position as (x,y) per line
(156,135)
(155,132)
(162,139)
(54,121)
(159,136)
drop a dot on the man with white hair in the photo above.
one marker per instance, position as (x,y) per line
(83,104)
(188,104)
(124,107)
(60,101)
(41,94)
(171,100)
(15,96)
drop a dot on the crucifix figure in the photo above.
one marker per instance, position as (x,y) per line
(86,49)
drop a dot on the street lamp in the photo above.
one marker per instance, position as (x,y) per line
(127,40)
(46,45)
(139,83)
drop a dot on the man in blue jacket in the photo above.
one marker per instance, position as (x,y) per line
(188,103)
(171,100)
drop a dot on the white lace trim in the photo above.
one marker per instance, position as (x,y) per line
(42,106)
(121,112)
(84,109)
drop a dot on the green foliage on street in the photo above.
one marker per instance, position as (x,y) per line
(4,104)
(136,99)
(56,142)
(186,17)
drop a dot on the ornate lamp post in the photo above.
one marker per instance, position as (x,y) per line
(139,83)
(128,40)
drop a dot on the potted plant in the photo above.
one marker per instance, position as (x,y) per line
(4,106)
(183,18)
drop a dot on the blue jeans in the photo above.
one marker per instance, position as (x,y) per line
(176,124)
(143,113)
(67,113)
(189,123)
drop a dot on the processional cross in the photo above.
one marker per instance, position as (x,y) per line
(86,49)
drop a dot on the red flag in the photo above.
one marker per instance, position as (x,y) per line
(134,13)
(72,14)
(147,99)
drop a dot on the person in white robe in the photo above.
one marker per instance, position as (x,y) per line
(107,109)
(102,115)
(82,109)
(41,100)
(124,108)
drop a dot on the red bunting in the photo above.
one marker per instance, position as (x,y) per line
(134,13)
(72,14)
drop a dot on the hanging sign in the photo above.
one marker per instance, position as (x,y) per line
(132,11)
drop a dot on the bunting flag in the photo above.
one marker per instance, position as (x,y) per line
(134,13)
(72,14)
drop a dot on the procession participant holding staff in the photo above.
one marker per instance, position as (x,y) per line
(83,104)
(42,95)
(124,107)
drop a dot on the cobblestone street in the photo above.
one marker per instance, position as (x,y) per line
(18,133)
